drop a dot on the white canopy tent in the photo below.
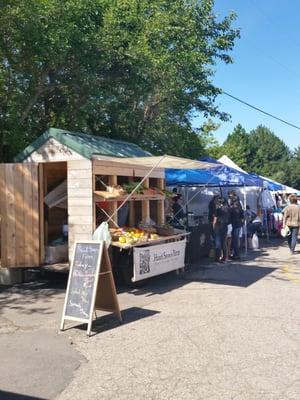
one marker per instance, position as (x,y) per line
(290,190)
(254,194)
(227,161)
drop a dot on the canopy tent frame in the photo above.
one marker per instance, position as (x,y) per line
(219,187)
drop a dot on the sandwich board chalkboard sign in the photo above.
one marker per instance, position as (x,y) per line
(90,285)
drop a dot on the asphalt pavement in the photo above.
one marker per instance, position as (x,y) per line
(229,331)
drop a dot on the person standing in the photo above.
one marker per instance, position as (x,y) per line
(221,220)
(212,207)
(237,218)
(178,213)
(291,218)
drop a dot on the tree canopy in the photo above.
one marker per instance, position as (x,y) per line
(270,155)
(262,152)
(128,69)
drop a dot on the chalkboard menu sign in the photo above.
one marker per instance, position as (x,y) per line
(83,281)
(91,284)
(85,263)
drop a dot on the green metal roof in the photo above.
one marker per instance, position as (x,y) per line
(85,145)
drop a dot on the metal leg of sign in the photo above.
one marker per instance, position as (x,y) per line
(89,328)
(62,324)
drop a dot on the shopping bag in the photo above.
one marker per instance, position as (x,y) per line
(285,231)
(255,242)
(102,233)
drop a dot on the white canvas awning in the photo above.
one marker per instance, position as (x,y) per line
(164,161)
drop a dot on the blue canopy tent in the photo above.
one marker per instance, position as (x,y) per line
(219,176)
(191,177)
(269,183)
(266,183)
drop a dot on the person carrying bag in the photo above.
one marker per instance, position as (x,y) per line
(291,220)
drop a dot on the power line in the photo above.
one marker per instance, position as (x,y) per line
(270,20)
(267,55)
(262,111)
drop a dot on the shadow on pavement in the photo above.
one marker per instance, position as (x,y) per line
(24,297)
(160,284)
(230,274)
(17,396)
(109,322)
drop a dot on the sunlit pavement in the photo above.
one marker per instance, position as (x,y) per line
(229,331)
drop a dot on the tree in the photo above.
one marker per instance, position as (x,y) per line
(260,151)
(294,169)
(270,155)
(237,147)
(128,69)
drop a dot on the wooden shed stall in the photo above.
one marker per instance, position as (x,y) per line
(52,185)
(65,184)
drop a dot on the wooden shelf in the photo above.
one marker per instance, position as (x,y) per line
(102,196)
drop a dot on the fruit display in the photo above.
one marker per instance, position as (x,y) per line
(129,235)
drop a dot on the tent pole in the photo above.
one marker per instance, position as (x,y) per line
(267,224)
(187,229)
(245,223)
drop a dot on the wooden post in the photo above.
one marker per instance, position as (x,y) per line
(4,212)
(80,201)
(146,204)
(131,209)
(113,205)
(41,210)
(94,204)
(161,203)
(45,183)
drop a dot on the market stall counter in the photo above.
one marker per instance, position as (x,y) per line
(140,256)
(130,195)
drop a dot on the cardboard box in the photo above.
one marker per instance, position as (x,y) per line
(56,254)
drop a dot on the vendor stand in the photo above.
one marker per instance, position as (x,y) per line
(56,194)
(192,183)
(143,245)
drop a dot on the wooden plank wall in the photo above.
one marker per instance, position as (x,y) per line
(80,201)
(19,209)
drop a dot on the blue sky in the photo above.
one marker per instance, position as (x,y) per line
(266,68)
